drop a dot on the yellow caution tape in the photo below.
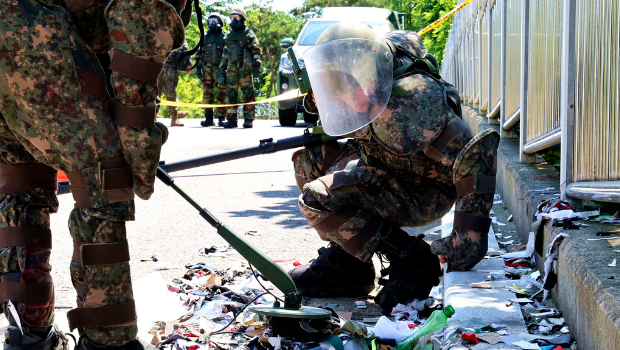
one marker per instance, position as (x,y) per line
(443,18)
(289,95)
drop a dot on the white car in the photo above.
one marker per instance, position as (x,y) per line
(381,20)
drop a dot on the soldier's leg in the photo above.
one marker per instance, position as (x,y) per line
(25,244)
(247,89)
(83,140)
(232,94)
(208,84)
(220,94)
(362,208)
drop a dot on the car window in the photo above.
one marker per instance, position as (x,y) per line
(315,29)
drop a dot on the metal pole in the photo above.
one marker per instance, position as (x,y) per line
(490,61)
(525,33)
(502,77)
(567,96)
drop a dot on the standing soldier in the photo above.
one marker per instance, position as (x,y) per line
(241,58)
(169,79)
(56,113)
(208,68)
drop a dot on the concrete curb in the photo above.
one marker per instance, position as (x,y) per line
(488,305)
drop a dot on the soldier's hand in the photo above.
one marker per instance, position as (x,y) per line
(223,73)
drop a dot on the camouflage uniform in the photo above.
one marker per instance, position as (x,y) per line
(407,168)
(56,113)
(169,77)
(241,54)
(210,71)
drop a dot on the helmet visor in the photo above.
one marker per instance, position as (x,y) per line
(351,80)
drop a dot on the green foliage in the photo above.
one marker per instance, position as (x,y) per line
(271,26)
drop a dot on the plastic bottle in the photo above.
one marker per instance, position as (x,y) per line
(436,321)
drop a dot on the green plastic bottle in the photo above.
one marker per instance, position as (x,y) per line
(436,321)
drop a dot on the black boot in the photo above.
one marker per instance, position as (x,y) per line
(414,270)
(220,121)
(335,273)
(86,344)
(247,123)
(230,123)
(208,118)
(50,339)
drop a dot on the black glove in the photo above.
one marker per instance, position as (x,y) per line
(223,73)
(256,71)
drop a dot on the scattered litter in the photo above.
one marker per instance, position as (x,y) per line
(491,338)
(510,218)
(603,239)
(498,202)
(252,233)
(526,346)
(495,221)
(613,263)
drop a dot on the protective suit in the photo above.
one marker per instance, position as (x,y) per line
(411,159)
(56,113)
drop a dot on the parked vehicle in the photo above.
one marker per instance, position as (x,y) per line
(381,20)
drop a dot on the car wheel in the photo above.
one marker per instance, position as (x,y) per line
(310,118)
(287,117)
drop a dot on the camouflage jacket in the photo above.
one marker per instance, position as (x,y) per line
(241,45)
(173,60)
(416,113)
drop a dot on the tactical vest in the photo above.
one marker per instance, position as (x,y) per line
(237,47)
(213,47)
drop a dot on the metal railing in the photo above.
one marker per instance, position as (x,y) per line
(552,66)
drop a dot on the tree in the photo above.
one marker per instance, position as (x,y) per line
(270,27)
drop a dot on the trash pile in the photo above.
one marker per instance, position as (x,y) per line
(218,318)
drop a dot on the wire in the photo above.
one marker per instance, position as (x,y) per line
(258,280)
(221,330)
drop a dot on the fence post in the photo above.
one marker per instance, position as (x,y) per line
(567,95)
(502,77)
(525,36)
(490,62)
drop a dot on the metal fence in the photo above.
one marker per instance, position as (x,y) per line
(552,67)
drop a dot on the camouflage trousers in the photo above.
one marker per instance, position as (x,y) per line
(212,80)
(238,78)
(347,201)
(167,83)
(55,110)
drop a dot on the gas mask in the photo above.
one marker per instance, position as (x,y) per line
(236,24)
(215,27)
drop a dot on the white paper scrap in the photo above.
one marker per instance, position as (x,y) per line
(613,263)
(521,300)
(527,346)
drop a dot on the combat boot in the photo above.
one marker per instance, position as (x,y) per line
(335,273)
(174,119)
(220,121)
(247,123)
(414,270)
(50,339)
(86,344)
(208,118)
(230,123)
(182,114)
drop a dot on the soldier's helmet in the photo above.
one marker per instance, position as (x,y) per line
(216,15)
(239,11)
(350,70)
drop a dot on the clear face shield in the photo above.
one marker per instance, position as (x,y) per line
(351,80)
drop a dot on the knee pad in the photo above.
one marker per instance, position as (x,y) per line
(109,182)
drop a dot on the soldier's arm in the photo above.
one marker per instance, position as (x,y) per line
(255,49)
(224,60)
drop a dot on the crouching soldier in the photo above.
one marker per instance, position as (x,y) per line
(411,159)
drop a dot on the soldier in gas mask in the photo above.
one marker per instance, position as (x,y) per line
(208,61)
(240,61)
